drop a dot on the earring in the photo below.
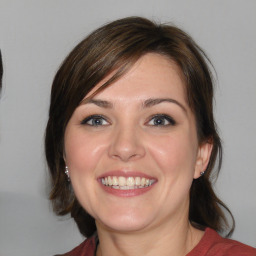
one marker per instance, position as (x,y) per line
(67,173)
(202,173)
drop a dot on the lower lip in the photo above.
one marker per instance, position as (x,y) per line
(126,193)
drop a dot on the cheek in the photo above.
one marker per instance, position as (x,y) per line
(82,151)
(175,154)
(83,156)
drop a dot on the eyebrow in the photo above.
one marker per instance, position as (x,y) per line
(146,104)
(100,103)
(152,102)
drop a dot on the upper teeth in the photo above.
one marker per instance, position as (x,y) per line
(126,182)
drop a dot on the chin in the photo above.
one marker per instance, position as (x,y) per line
(124,223)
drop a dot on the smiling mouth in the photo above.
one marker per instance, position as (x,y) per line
(127,183)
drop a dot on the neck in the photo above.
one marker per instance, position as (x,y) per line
(162,240)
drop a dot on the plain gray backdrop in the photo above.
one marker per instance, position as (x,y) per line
(35,36)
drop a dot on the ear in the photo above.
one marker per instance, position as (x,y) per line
(203,157)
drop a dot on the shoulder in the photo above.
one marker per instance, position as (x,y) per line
(212,244)
(86,248)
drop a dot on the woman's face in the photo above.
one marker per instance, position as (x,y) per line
(132,150)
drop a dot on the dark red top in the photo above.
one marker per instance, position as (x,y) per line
(211,244)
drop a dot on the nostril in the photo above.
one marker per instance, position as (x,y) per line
(125,157)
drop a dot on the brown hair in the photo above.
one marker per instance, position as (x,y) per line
(115,47)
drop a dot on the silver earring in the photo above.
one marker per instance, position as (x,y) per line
(202,173)
(67,173)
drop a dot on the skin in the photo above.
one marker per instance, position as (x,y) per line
(128,139)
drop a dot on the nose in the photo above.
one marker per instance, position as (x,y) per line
(126,144)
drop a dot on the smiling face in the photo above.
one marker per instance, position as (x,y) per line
(132,150)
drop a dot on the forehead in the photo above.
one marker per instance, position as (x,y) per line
(152,75)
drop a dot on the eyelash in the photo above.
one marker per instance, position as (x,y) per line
(162,117)
(94,118)
(101,119)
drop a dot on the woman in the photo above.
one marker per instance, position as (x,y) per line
(131,144)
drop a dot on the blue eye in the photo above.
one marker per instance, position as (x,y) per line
(95,120)
(161,120)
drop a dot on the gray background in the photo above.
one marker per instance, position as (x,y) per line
(35,36)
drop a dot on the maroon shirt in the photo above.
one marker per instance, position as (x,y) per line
(211,244)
